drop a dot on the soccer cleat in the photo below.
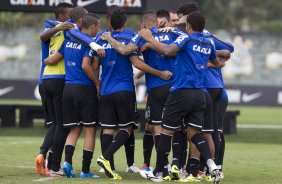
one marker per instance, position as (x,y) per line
(68,170)
(39,164)
(167,178)
(105,164)
(133,169)
(175,173)
(206,178)
(189,178)
(88,175)
(59,173)
(215,175)
(47,172)
(117,177)
(150,176)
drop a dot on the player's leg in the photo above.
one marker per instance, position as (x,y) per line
(148,144)
(61,133)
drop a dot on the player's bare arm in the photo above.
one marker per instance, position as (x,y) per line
(118,46)
(167,50)
(50,32)
(53,59)
(138,63)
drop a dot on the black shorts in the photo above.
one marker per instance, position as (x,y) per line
(47,118)
(184,103)
(53,92)
(223,103)
(215,94)
(80,105)
(155,104)
(118,110)
(208,126)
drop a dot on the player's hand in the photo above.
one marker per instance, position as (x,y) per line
(101,52)
(146,34)
(167,29)
(106,36)
(165,75)
(135,81)
(65,26)
(98,88)
(223,54)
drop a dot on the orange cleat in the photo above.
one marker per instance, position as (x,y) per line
(39,165)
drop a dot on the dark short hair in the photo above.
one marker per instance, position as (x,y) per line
(110,9)
(187,8)
(60,8)
(118,18)
(89,19)
(163,13)
(149,16)
(197,21)
(77,13)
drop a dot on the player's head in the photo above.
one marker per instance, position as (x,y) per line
(62,11)
(149,20)
(118,19)
(91,22)
(76,15)
(187,8)
(195,22)
(173,18)
(109,11)
(163,18)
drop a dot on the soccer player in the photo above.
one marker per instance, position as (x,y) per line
(157,88)
(130,144)
(80,96)
(187,97)
(117,89)
(62,12)
(53,82)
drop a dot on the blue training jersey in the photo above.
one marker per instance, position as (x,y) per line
(49,23)
(74,53)
(213,78)
(117,71)
(191,60)
(126,30)
(155,59)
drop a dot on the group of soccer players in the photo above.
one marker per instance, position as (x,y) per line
(186,100)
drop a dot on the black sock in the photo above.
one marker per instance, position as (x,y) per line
(106,141)
(215,137)
(119,140)
(129,149)
(184,152)
(87,157)
(148,144)
(221,152)
(50,155)
(162,153)
(202,164)
(69,150)
(157,141)
(202,146)
(177,146)
(193,167)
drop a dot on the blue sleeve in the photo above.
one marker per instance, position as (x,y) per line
(220,45)
(49,23)
(89,53)
(181,41)
(76,36)
(62,48)
(138,41)
(213,54)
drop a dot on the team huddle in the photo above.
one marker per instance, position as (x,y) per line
(186,99)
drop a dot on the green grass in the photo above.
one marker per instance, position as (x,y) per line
(252,156)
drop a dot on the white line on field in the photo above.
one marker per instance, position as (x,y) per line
(260,126)
(45,179)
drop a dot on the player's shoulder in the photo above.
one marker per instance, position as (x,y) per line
(207,34)
(50,23)
(129,31)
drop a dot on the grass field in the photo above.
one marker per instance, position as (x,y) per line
(253,156)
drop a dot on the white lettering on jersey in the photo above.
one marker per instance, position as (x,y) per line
(181,38)
(162,38)
(73,45)
(201,49)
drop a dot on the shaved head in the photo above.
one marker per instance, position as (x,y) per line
(149,16)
